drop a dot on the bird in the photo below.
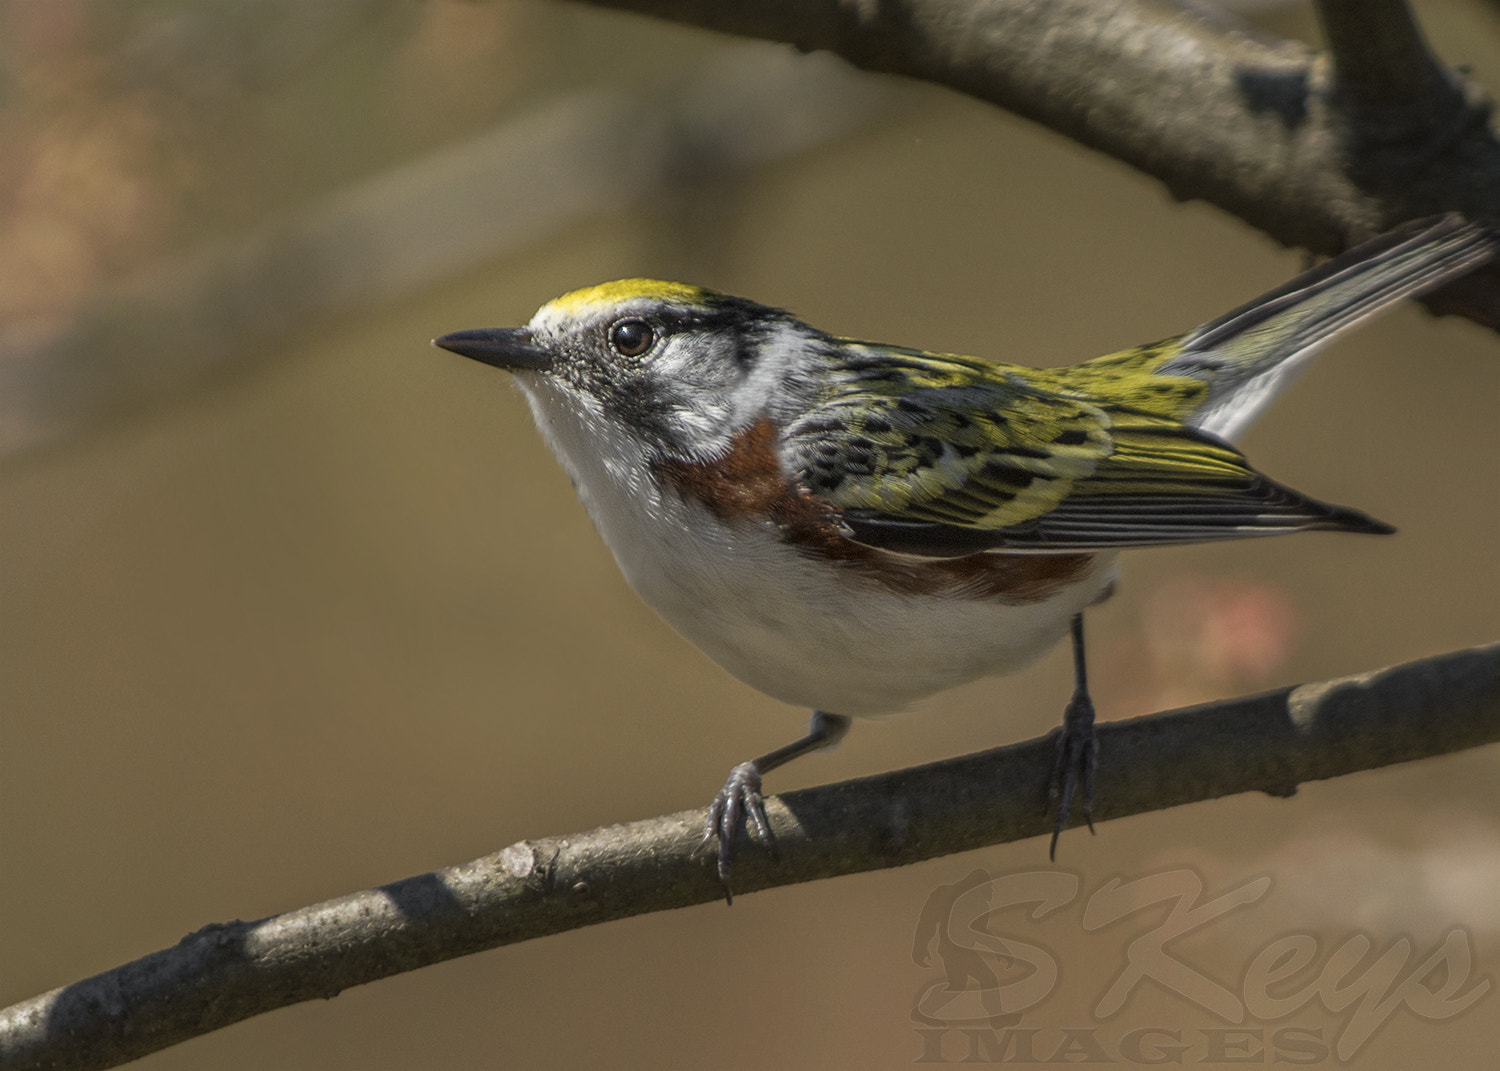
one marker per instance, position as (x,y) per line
(851,526)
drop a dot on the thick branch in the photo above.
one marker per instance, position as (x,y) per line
(1268,743)
(1215,112)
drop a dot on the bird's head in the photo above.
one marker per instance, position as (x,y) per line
(672,370)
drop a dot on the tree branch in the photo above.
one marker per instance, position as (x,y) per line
(1269,743)
(1400,115)
(1267,130)
(1381,62)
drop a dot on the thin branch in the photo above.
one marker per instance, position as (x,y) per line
(1212,110)
(1269,743)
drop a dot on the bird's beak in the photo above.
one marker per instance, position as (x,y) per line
(503,347)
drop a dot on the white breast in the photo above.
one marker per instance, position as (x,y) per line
(812,633)
(801,629)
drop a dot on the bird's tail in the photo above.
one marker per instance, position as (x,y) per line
(1248,355)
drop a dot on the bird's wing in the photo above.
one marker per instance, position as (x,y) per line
(943,456)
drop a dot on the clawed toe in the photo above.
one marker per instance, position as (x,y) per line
(1073,767)
(738,802)
(737,805)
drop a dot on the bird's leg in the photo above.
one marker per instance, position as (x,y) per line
(1077,754)
(739,800)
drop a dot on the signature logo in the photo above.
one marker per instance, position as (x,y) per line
(989,978)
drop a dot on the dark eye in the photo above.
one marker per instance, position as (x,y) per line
(631,338)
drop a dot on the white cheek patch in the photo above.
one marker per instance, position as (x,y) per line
(701,378)
(785,352)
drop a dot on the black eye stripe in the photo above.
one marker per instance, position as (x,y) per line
(746,322)
(724,312)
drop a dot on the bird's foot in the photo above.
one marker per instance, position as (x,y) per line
(737,806)
(1073,767)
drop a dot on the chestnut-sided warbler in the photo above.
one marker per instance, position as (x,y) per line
(851,526)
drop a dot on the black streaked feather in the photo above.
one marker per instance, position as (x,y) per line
(1095,522)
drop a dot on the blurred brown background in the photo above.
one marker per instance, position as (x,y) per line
(330,615)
